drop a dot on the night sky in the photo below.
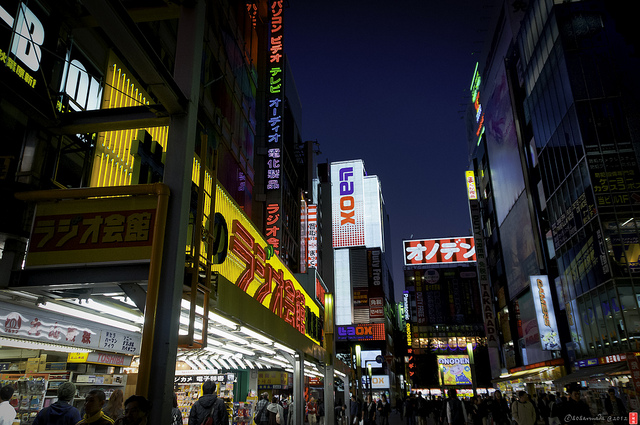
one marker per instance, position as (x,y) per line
(387,82)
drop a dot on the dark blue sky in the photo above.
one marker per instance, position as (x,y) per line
(385,81)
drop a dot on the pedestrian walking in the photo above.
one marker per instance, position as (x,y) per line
(355,411)
(421,410)
(615,407)
(275,412)
(208,405)
(261,416)
(61,412)
(369,411)
(312,411)
(114,408)
(383,408)
(523,411)
(499,409)
(136,411)
(456,411)
(575,411)
(93,414)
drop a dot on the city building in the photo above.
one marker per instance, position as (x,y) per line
(553,149)
(444,327)
(175,235)
(362,274)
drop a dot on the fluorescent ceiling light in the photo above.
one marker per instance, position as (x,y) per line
(103,308)
(239,349)
(284,348)
(232,363)
(223,363)
(215,362)
(223,334)
(262,348)
(219,351)
(17,343)
(223,320)
(255,335)
(69,311)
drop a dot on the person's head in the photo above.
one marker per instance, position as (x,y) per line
(497,394)
(452,393)
(136,409)
(208,387)
(552,398)
(353,397)
(274,399)
(66,391)
(6,393)
(612,393)
(574,393)
(265,396)
(522,396)
(116,399)
(384,397)
(94,401)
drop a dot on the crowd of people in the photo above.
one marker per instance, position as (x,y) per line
(551,409)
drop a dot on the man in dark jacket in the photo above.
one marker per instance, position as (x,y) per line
(61,412)
(615,408)
(261,413)
(209,404)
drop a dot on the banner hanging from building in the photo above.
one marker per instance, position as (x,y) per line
(545,313)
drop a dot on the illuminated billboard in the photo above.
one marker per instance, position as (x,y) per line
(347,203)
(251,265)
(439,251)
(362,332)
(472,191)
(545,314)
(454,370)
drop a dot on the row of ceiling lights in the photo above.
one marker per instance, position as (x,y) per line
(229,344)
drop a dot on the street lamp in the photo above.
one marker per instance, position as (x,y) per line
(370,380)
(473,367)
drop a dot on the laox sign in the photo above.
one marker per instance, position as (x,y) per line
(347,202)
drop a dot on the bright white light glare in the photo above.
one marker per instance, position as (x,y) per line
(184,320)
(15,343)
(239,349)
(223,320)
(255,335)
(88,316)
(276,362)
(223,334)
(262,348)
(103,308)
(284,348)
(191,364)
(219,351)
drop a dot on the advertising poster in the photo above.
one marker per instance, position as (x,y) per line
(518,248)
(454,370)
(545,313)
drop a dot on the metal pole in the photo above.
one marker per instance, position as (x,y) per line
(180,150)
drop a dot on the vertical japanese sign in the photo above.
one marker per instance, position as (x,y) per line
(545,314)
(304,239)
(634,368)
(347,203)
(483,277)
(374,275)
(312,236)
(275,112)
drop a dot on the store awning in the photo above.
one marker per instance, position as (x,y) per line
(587,373)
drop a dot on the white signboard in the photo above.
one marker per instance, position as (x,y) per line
(545,314)
(347,203)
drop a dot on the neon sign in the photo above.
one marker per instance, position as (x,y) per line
(475,98)
(436,251)
(274,116)
(312,236)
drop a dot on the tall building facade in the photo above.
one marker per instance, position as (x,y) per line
(553,144)
(362,275)
(107,97)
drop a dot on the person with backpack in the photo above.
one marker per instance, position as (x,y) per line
(456,412)
(61,412)
(208,406)
(275,412)
(261,417)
